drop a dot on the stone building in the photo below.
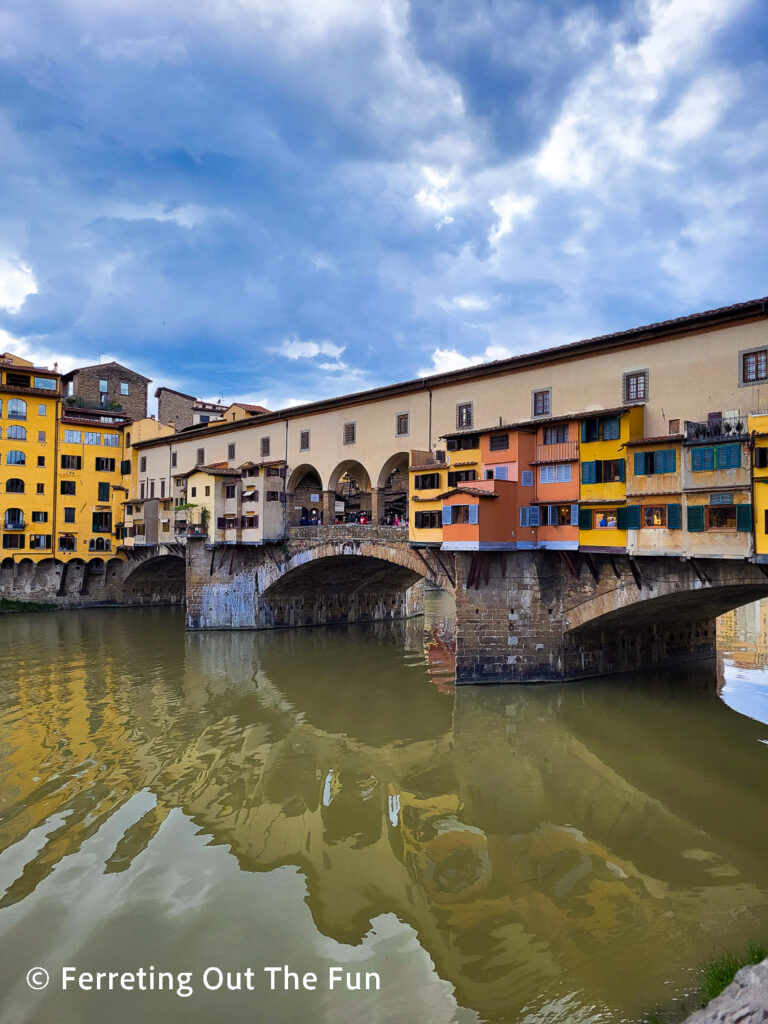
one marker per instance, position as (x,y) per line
(184,411)
(107,386)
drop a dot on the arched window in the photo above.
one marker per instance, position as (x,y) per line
(16,458)
(128,440)
(17,433)
(14,519)
(17,409)
(14,486)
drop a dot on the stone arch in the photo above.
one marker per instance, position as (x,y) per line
(304,494)
(351,482)
(157,580)
(392,486)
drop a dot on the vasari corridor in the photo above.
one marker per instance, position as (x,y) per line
(383,512)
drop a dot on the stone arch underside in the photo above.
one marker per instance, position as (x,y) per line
(158,580)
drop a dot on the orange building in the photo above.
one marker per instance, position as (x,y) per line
(556,484)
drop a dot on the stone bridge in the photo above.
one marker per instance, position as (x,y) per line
(522,616)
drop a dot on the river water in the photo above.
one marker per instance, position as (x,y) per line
(325,799)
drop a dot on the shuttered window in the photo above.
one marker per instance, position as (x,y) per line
(674,517)
(473,515)
(761,458)
(634,515)
(349,433)
(585,519)
(574,515)
(663,461)
(611,428)
(592,472)
(446,515)
(526,478)
(744,518)
(695,518)
(530,515)
(728,456)
(702,459)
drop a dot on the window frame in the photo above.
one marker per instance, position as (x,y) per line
(400,430)
(746,353)
(626,386)
(543,395)
(465,415)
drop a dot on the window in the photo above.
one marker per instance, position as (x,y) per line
(151,488)
(541,402)
(426,481)
(664,461)
(39,517)
(200,457)
(304,441)
(546,474)
(18,380)
(71,461)
(16,433)
(655,516)
(13,540)
(67,487)
(41,460)
(14,519)
(250,522)
(613,470)
(721,517)
(72,436)
(193,492)
(349,434)
(402,424)
(162,488)
(103,387)
(69,515)
(42,410)
(17,408)
(101,522)
(207,490)
(460,476)
(105,465)
(41,436)
(46,383)
(274,471)
(143,464)
(526,478)
(273,496)
(723,498)
(590,430)
(604,519)
(16,458)
(635,386)
(14,486)
(556,435)
(111,440)
(67,543)
(464,415)
(125,388)
(40,541)
(91,437)
(173,460)
(754,366)
(230,490)
(264,447)
(561,515)
(103,494)
(428,520)
(674,426)
(611,428)
(142,489)
(41,488)
(498,442)
(555,474)
(530,516)
(230,451)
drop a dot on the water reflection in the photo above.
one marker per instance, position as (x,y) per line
(742,637)
(561,853)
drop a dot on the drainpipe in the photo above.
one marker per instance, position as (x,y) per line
(56,415)
(285,481)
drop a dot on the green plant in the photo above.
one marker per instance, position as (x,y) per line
(205,517)
(718,973)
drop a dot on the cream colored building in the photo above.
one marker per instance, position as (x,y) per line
(680,370)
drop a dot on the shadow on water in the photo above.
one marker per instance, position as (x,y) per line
(563,853)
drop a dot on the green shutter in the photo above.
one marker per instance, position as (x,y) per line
(585,519)
(588,475)
(632,517)
(674,518)
(695,518)
(598,471)
(669,460)
(583,431)
(622,469)
(744,518)
(639,463)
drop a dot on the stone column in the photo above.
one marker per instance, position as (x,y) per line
(329,507)
(377,506)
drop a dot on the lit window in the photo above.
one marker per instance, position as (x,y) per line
(655,515)
(604,519)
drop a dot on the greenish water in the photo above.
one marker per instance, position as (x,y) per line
(323,798)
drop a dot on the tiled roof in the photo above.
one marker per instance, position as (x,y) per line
(654,440)
(475,492)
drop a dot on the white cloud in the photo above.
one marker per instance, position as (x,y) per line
(294,348)
(446,359)
(472,303)
(16,282)
(700,109)
(510,208)
(187,216)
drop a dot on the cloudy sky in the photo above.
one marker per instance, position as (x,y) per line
(288,199)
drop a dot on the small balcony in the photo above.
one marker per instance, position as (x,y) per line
(716,427)
(83,403)
(565,451)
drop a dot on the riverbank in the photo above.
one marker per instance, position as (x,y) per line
(9,607)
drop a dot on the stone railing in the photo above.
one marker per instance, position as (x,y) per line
(348,531)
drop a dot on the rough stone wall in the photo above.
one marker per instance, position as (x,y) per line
(745,1001)
(85,383)
(174,408)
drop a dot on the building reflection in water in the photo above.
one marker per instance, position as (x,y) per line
(566,853)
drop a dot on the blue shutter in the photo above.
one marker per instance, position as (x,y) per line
(583,431)
(552,515)
(446,515)
(473,510)
(639,463)
(702,459)
(622,469)
(611,429)
(500,473)
(533,519)
(744,518)
(695,518)
(674,518)
(633,517)
(669,461)
(524,510)
(574,515)
(729,456)
(588,472)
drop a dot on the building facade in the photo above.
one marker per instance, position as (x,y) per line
(107,386)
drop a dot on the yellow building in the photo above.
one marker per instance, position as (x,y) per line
(758,430)
(92,482)
(431,474)
(29,401)
(603,490)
